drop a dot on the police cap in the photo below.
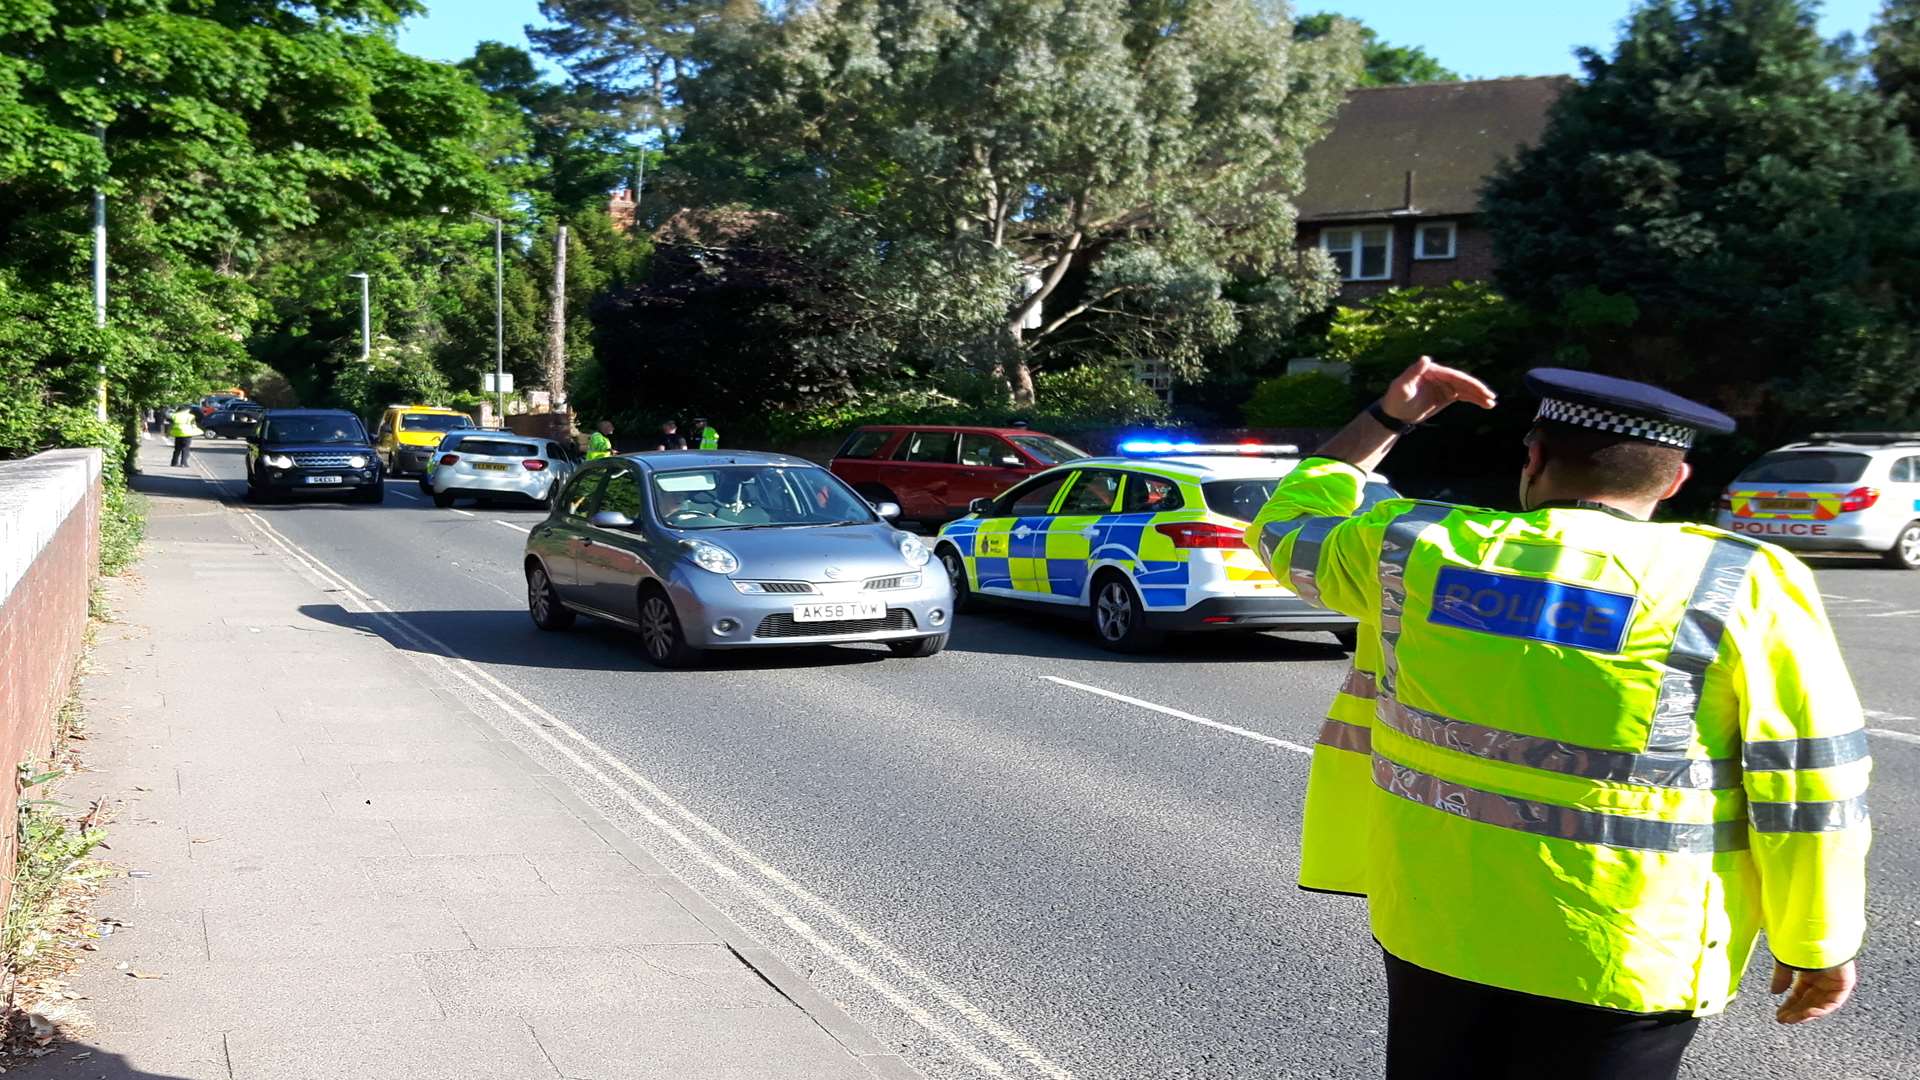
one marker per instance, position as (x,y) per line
(1623,407)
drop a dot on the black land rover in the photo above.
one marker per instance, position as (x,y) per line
(313,452)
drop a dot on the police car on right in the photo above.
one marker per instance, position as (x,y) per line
(1855,491)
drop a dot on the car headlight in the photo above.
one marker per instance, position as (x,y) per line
(357,461)
(710,556)
(912,550)
(278,461)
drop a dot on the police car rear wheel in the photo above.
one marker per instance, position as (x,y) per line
(1119,618)
(957,577)
(1905,552)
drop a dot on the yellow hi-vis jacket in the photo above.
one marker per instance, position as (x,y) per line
(598,446)
(181,425)
(1580,756)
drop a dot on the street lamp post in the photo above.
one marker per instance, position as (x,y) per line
(366,320)
(499,317)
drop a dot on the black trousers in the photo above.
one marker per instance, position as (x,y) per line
(181,444)
(1443,1028)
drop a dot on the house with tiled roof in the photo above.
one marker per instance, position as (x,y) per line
(1393,192)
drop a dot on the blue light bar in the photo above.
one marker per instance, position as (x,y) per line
(1153,447)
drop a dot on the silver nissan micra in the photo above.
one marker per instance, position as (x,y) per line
(701,549)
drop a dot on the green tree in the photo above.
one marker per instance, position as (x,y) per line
(630,54)
(228,127)
(1018,182)
(1895,58)
(1726,172)
(573,152)
(1384,64)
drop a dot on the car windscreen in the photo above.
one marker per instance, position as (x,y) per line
(1806,467)
(736,496)
(313,429)
(1049,450)
(1244,498)
(495,448)
(432,422)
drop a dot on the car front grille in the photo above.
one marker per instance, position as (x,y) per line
(783,586)
(320,461)
(783,626)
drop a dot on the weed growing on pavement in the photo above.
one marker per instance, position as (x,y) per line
(123,521)
(52,858)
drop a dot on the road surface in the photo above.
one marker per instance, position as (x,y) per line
(1027,857)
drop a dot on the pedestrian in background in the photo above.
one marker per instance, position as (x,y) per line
(670,437)
(183,427)
(709,438)
(600,443)
(1584,758)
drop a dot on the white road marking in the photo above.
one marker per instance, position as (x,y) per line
(541,723)
(1876,714)
(1187,716)
(406,494)
(1891,614)
(511,525)
(463,513)
(1900,736)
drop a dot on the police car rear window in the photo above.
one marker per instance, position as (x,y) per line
(497,448)
(1243,498)
(1807,467)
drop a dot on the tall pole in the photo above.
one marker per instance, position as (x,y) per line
(366,320)
(100,254)
(499,324)
(557,324)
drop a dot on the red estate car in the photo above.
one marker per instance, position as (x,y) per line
(934,471)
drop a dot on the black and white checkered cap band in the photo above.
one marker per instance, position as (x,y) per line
(1664,432)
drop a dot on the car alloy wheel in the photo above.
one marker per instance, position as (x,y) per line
(543,604)
(1113,612)
(957,577)
(1906,550)
(659,632)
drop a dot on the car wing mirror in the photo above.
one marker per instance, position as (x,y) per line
(982,507)
(611,519)
(1011,462)
(887,510)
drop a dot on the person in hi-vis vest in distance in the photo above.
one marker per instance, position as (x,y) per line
(600,443)
(1582,758)
(183,428)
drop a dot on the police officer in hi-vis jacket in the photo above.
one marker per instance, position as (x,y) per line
(1583,758)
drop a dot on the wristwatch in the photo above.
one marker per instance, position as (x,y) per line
(1393,424)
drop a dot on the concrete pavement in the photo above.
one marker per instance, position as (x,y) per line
(338,869)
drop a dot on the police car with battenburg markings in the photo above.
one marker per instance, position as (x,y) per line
(1141,545)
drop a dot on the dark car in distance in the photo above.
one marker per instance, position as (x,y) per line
(933,472)
(313,452)
(236,420)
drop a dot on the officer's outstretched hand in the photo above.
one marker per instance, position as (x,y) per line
(1815,993)
(1427,387)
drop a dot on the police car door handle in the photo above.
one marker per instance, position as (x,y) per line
(1090,532)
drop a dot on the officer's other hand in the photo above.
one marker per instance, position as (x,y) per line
(1427,387)
(1815,993)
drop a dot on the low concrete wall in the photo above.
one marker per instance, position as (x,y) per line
(49,552)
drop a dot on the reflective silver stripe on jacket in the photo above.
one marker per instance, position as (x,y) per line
(1551,755)
(1344,736)
(1303,569)
(1396,546)
(1561,822)
(1696,644)
(1779,755)
(1359,684)
(1277,531)
(1782,817)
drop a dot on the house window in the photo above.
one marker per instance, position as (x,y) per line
(1361,254)
(1434,240)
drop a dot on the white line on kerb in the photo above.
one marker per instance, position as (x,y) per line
(541,723)
(1178,715)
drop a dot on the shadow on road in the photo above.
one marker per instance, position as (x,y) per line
(73,1060)
(1008,633)
(506,636)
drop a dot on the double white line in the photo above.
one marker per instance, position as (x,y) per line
(758,880)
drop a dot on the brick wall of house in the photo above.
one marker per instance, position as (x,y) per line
(49,550)
(1473,258)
